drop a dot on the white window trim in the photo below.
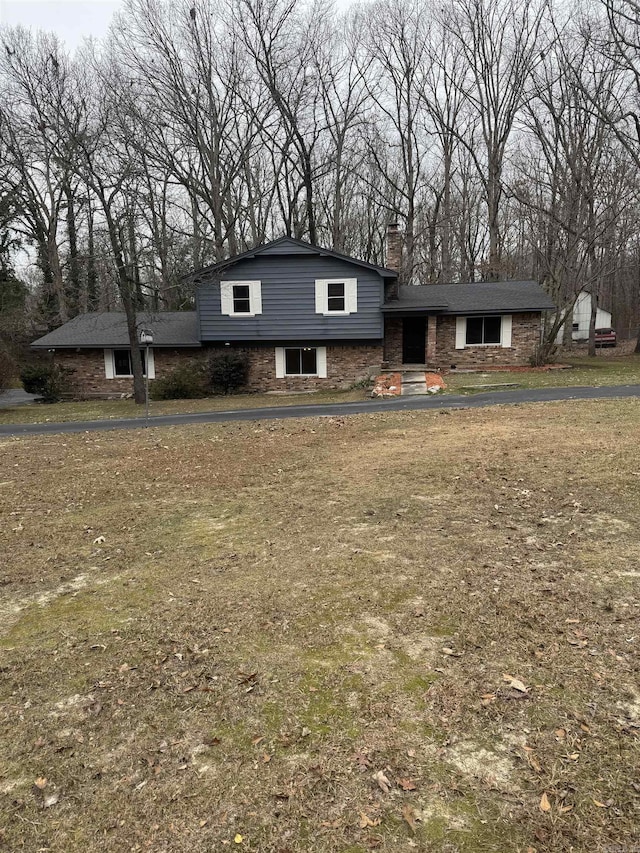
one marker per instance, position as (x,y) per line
(506,327)
(350,296)
(321,362)
(226,298)
(110,365)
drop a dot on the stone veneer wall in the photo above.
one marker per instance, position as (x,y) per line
(525,336)
(346,364)
(88,378)
(393,340)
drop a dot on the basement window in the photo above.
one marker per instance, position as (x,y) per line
(300,361)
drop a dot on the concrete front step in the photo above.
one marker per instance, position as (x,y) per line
(414,388)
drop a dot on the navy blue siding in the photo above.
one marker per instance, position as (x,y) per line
(288,302)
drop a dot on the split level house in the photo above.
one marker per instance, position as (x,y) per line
(309,318)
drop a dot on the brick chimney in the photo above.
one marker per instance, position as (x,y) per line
(393,260)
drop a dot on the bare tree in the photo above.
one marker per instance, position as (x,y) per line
(502,44)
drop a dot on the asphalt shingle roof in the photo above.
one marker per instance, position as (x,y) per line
(287,246)
(478,298)
(109,329)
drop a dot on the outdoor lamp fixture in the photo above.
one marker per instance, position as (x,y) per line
(146,339)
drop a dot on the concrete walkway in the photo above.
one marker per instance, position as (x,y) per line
(368,407)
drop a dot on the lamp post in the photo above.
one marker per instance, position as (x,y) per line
(146,339)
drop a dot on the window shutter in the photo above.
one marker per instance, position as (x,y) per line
(226,297)
(151,367)
(108,364)
(351,295)
(279,362)
(256,297)
(461,332)
(321,362)
(321,296)
(506,330)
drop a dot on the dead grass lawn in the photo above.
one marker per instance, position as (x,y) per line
(385,632)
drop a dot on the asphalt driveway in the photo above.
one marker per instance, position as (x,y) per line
(396,404)
(15,397)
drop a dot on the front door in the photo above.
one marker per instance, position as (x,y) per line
(414,332)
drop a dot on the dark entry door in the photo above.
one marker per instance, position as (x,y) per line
(414,330)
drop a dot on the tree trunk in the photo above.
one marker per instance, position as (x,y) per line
(73,287)
(126,289)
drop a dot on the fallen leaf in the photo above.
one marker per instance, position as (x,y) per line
(257,740)
(406,784)
(599,804)
(545,805)
(585,728)
(409,815)
(40,782)
(565,809)
(51,800)
(533,762)
(447,651)
(266,758)
(238,839)
(366,821)
(383,783)
(515,683)
(561,733)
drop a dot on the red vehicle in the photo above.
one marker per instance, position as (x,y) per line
(605,338)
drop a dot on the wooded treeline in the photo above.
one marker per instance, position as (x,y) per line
(502,135)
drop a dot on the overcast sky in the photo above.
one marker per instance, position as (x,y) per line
(72,20)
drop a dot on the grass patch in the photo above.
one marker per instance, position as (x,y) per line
(597,371)
(230,629)
(94,410)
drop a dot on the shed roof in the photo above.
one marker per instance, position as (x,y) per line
(483,297)
(109,329)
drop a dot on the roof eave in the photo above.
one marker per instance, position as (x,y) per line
(383,272)
(118,345)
